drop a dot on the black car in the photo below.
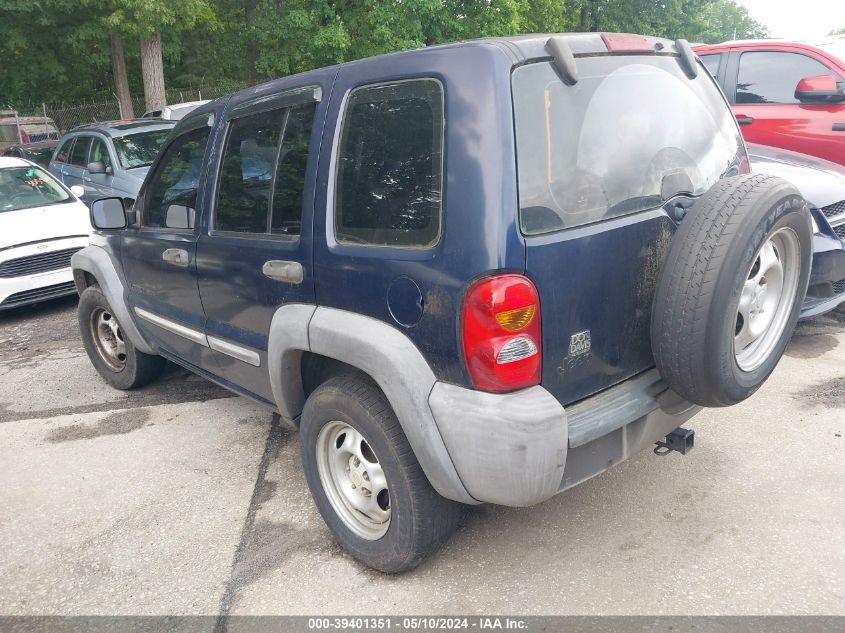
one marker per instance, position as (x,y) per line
(39,153)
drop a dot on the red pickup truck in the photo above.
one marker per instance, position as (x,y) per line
(784,94)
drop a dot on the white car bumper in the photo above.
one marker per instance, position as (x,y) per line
(38,271)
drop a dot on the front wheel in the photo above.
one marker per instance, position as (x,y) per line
(113,355)
(365,480)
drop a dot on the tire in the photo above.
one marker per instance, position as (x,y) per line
(419,521)
(113,356)
(700,331)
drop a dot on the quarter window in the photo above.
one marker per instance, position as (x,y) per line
(771,76)
(171,195)
(262,177)
(390,164)
(79,153)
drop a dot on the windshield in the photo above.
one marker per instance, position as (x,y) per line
(24,187)
(139,149)
(633,132)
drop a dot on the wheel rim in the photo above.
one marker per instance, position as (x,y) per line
(108,339)
(353,480)
(767,299)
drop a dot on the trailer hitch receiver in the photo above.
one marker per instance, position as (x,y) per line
(680,440)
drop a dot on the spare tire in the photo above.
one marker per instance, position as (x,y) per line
(730,292)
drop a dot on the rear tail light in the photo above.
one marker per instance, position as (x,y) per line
(500,331)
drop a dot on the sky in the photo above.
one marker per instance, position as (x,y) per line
(797,20)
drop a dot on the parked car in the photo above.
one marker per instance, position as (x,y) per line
(16,129)
(173,112)
(467,273)
(109,159)
(42,224)
(39,153)
(822,184)
(784,94)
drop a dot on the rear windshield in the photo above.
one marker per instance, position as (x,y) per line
(632,132)
(24,187)
(139,149)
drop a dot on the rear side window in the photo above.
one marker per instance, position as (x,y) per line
(79,153)
(170,199)
(711,62)
(390,165)
(262,178)
(772,76)
(63,155)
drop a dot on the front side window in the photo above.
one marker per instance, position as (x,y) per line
(79,153)
(772,76)
(99,152)
(262,177)
(390,166)
(25,187)
(584,154)
(170,199)
(139,149)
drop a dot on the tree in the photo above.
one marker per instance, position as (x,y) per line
(147,19)
(121,82)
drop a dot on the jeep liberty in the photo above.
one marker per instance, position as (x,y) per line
(474,273)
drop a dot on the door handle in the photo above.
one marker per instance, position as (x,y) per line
(744,120)
(839,127)
(280,270)
(176,256)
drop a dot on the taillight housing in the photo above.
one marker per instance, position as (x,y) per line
(500,333)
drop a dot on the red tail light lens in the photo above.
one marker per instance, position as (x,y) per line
(500,332)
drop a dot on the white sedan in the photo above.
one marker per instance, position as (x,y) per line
(42,223)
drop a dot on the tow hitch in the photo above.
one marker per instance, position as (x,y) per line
(680,440)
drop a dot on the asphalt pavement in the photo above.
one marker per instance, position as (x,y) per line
(183,499)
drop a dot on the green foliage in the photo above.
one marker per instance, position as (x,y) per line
(59,49)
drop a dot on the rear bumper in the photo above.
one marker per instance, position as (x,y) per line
(522,448)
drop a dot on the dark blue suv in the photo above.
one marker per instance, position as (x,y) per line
(480,272)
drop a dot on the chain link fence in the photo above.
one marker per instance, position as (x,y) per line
(105,107)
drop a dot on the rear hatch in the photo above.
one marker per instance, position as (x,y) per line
(602,165)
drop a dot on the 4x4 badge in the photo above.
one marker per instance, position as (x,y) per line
(579,343)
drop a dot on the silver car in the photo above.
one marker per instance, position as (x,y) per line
(109,159)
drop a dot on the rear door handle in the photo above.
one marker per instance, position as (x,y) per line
(280,270)
(176,256)
(839,127)
(744,120)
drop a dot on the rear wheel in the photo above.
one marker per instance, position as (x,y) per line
(112,354)
(731,289)
(365,480)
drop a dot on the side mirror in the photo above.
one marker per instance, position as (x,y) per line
(78,190)
(97,167)
(108,214)
(819,89)
(179,217)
